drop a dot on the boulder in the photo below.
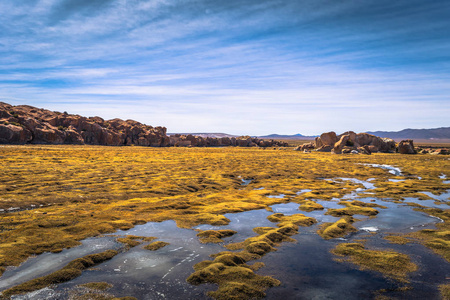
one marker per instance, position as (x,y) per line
(406,147)
(343,141)
(325,148)
(440,152)
(12,134)
(364,150)
(326,139)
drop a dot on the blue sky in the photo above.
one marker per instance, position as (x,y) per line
(240,67)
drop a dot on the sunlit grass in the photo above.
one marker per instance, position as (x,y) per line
(75,192)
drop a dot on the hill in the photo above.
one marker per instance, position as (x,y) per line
(24,124)
(420,134)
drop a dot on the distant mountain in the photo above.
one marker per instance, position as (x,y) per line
(425,134)
(205,134)
(297,136)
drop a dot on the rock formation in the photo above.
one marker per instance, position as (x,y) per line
(25,124)
(179,140)
(406,147)
(350,141)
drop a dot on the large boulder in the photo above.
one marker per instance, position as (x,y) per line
(306,146)
(326,139)
(325,148)
(12,134)
(345,140)
(406,147)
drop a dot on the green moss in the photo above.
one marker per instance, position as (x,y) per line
(445,291)
(129,242)
(352,210)
(395,239)
(156,245)
(214,236)
(297,219)
(101,286)
(309,205)
(134,240)
(338,229)
(390,263)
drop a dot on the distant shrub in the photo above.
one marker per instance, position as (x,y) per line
(62,128)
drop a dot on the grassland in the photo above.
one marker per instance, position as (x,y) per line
(55,196)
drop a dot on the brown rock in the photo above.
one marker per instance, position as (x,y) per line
(326,139)
(12,134)
(406,147)
(326,148)
(364,150)
(344,141)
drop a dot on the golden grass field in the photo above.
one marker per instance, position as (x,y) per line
(55,196)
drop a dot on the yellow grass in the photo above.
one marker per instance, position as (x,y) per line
(390,263)
(75,192)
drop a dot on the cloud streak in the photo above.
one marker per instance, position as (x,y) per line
(244,67)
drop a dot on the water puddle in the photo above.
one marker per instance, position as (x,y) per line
(47,263)
(396,180)
(442,197)
(245,181)
(280,196)
(428,203)
(367,185)
(303,191)
(397,218)
(393,170)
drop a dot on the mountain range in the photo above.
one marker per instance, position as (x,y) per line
(425,134)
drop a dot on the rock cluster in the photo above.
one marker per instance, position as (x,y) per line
(439,151)
(26,124)
(350,141)
(179,140)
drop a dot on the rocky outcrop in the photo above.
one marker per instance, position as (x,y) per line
(406,147)
(307,146)
(180,140)
(350,141)
(26,124)
(13,134)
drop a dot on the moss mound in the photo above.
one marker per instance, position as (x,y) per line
(338,229)
(101,286)
(156,245)
(214,236)
(309,205)
(390,263)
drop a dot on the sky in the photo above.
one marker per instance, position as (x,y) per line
(236,66)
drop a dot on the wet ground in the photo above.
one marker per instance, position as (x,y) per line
(306,268)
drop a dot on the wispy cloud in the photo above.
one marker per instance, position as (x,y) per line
(237,66)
